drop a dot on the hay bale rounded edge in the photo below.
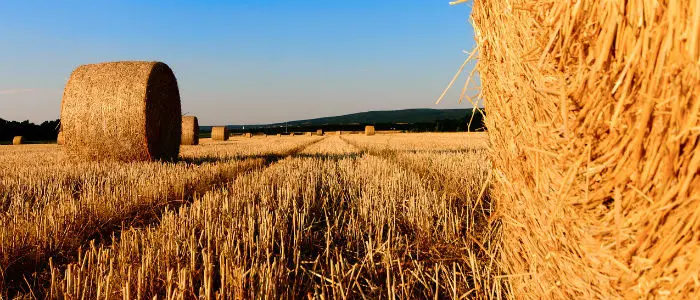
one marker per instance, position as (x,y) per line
(60,140)
(219,133)
(18,140)
(128,111)
(190,130)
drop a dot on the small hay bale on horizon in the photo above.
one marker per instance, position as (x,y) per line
(369,130)
(319,132)
(18,140)
(126,111)
(190,130)
(219,133)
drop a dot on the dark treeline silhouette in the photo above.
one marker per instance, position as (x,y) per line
(444,125)
(46,131)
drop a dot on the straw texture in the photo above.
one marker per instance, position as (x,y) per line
(219,133)
(593,110)
(123,111)
(190,130)
(60,140)
(369,130)
(18,140)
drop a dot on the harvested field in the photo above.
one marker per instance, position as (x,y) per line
(384,216)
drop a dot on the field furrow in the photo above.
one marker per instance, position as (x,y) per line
(262,217)
(69,206)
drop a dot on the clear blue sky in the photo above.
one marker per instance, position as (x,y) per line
(241,62)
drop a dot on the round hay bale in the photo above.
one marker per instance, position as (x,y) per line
(319,132)
(291,134)
(219,133)
(279,134)
(369,130)
(248,135)
(592,122)
(308,134)
(190,130)
(123,111)
(60,140)
(18,140)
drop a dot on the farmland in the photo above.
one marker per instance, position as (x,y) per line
(352,216)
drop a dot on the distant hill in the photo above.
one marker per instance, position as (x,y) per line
(409,116)
(408,120)
(418,115)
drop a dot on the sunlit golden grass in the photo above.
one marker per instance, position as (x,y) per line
(357,217)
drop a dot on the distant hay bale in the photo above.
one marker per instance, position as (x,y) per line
(593,123)
(219,133)
(248,135)
(291,134)
(18,140)
(190,130)
(369,130)
(60,140)
(126,111)
(319,132)
(279,134)
(308,134)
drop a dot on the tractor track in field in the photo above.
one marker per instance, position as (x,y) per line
(29,272)
(439,182)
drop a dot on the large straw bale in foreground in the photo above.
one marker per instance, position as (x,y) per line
(123,111)
(219,133)
(18,140)
(190,130)
(593,110)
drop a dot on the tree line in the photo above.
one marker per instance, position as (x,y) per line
(46,131)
